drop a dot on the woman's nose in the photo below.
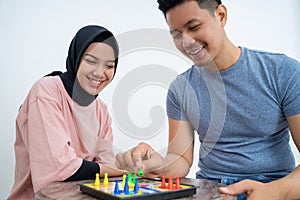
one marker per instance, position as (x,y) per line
(99,71)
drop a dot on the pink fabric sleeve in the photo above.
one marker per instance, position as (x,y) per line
(50,154)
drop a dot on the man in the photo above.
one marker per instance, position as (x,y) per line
(243,103)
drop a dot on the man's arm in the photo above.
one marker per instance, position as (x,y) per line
(180,149)
(179,156)
(294,125)
(285,188)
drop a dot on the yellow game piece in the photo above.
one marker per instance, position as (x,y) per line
(123,180)
(105,180)
(97,180)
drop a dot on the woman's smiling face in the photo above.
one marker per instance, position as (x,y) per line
(96,68)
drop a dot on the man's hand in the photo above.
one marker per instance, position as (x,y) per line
(256,190)
(142,156)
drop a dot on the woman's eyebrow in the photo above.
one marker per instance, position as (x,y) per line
(87,54)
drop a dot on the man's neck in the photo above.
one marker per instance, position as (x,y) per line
(226,58)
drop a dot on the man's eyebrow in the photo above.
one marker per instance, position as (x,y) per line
(189,22)
(185,25)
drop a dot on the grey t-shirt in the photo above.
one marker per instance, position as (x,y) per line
(240,114)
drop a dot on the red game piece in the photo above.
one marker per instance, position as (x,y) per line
(163,182)
(177,183)
(170,182)
(145,188)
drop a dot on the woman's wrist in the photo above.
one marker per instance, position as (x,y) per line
(111,170)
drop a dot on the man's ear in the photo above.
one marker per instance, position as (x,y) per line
(221,14)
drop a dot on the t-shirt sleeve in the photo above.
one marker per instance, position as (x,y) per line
(174,101)
(289,82)
(50,155)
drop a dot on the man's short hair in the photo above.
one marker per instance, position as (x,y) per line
(210,5)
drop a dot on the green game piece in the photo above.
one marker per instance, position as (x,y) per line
(130,177)
(141,172)
(134,178)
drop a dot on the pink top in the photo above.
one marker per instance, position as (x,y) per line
(54,134)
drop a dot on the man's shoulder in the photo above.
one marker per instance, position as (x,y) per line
(262,53)
(182,77)
(185,75)
(275,59)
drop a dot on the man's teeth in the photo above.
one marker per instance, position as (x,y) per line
(196,51)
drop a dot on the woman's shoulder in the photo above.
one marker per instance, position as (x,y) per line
(101,104)
(48,87)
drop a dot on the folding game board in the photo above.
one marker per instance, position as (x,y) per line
(137,188)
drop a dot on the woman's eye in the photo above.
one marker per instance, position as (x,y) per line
(110,66)
(90,61)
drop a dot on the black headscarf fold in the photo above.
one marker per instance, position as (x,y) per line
(83,38)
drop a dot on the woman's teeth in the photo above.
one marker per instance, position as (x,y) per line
(96,82)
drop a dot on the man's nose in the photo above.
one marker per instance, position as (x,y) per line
(187,40)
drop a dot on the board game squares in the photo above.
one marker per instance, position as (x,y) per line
(133,187)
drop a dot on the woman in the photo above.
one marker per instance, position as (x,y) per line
(63,132)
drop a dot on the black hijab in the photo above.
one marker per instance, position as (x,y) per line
(83,38)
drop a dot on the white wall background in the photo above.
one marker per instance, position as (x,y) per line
(35,36)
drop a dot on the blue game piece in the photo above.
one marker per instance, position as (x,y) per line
(134,178)
(117,191)
(126,187)
(136,186)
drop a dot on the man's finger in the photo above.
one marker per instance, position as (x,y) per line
(140,153)
(245,186)
(127,156)
(154,163)
(120,162)
(137,157)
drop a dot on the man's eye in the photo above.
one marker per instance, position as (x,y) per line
(193,28)
(177,36)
